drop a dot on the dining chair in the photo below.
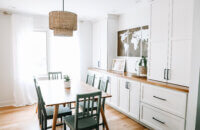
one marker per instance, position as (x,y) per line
(85,120)
(103,86)
(54,75)
(38,109)
(47,112)
(90,79)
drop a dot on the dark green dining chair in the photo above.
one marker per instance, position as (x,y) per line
(103,86)
(54,75)
(38,107)
(85,119)
(47,112)
(90,79)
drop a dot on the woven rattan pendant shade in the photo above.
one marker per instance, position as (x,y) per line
(63,22)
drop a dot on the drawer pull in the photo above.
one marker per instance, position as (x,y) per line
(158,120)
(160,98)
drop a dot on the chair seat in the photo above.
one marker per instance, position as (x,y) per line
(62,111)
(85,123)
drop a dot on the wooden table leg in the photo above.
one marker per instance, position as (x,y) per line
(104,118)
(37,108)
(55,114)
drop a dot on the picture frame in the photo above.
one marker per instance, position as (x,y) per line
(118,65)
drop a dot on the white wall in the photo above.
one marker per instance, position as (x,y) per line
(139,16)
(85,41)
(6,79)
(195,69)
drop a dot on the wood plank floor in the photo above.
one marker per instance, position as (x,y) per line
(25,118)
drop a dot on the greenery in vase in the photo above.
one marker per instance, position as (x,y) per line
(66,78)
(143,62)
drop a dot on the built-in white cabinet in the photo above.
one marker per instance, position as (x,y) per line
(160,120)
(105,42)
(124,95)
(157,107)
(159,35)
(134,108)
(180,41)
(114,90)
(170,41)
(130,97)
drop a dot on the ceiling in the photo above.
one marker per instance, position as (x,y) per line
(86,9)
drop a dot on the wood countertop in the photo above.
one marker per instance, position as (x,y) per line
(142,79)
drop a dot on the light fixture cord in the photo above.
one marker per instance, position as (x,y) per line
(63,5)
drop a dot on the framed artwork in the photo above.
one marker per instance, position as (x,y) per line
(133,42)
(118,65)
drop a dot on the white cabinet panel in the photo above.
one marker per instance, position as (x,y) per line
(182,18)
(180,42)
(165,99)
(114,85)
(158,39)
(134,99)
(160,120)
(124,95)
(179,69)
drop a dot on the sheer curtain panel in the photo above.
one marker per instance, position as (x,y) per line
(23,55)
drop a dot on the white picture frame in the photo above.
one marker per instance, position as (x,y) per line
(118,65)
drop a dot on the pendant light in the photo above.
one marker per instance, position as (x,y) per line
(62,22)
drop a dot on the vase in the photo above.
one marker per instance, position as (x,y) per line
(67,84)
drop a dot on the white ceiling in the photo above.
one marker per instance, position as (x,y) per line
(86,9)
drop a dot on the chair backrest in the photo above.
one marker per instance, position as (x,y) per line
(94,111)
(103,86)
(54,75)
(36,85)
(41,101)
(90,79)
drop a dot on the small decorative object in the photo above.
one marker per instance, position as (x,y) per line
(67,81)
(143,67)
(62,22)
(118,65)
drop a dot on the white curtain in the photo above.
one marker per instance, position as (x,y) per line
(23,65)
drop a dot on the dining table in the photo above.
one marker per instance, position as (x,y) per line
(54,94)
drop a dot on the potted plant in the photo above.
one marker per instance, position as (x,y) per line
(67,81)
(143,66)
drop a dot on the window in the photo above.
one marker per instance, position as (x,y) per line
(40,55)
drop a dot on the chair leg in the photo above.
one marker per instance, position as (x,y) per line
(64,126)
(45,123)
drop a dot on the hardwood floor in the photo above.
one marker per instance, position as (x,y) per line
(25,118)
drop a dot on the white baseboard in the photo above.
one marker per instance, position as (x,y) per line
(7,103)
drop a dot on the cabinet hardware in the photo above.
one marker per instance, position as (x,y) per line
(98,63)
(160,98)
(158,120)
(165,73)
(127,85)
(168,74)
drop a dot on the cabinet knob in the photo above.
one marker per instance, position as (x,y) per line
(127,85)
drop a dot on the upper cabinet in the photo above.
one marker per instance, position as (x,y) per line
(159,36)
(104,42)
(170,41)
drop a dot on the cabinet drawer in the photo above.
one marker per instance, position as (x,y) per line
(160,120)
(169,100)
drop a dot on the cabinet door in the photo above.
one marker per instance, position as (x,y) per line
(180,42)
(159,35)
(124,95)
(134,99)
(96,55)
(114,86)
